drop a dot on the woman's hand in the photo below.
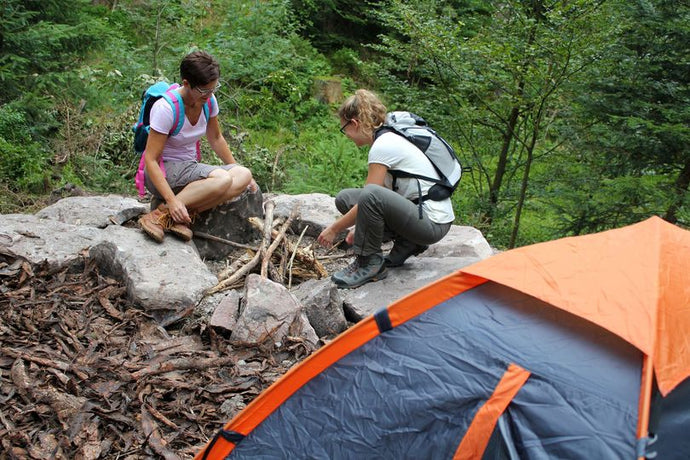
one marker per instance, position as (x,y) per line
(253,187)
(326,237)
(350,238)
(178,211)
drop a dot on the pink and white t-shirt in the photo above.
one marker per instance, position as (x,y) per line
(182,146)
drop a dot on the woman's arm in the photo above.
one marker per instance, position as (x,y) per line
(218,142)
(376,175)
(152,155)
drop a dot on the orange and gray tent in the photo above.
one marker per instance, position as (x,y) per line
(574,348)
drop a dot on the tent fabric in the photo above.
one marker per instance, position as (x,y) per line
(412,380)
(479,432)
(401,392)
(407,307)
(633,281)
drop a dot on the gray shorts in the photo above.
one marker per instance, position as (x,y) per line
(179,174)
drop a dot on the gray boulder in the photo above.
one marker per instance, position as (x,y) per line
(324,306)
(45,241)
(269,310)
(167,279)
(94,211)
(229,222)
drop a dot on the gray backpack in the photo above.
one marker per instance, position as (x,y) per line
(442,156)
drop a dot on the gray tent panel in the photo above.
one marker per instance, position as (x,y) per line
(413,391)
(673,432)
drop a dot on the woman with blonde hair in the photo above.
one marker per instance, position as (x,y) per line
(378,211)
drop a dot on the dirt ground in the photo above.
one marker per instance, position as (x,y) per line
(84,374)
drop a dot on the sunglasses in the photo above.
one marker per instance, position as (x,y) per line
(342,128)
(205,91)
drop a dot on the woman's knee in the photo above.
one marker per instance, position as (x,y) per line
(346,199)
(242,176)
(371,192)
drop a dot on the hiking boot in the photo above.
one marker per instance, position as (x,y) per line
(153,224)
(362,270)
(181,230)
(402,250)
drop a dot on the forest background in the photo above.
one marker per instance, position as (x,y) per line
(570,116)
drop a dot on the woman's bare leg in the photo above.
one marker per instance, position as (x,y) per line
(220,186)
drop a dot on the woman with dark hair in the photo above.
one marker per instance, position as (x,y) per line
(377,211)
(172,172)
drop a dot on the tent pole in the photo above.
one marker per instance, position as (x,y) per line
(645,399)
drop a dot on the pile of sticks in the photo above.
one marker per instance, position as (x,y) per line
(278,257)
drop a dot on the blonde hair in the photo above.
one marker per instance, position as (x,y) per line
(366,107)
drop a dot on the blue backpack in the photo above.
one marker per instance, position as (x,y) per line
(142,127)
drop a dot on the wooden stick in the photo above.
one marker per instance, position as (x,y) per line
(206,236)
(233,267)
(300,255)
(235,276)
(181,364)
(278,238)
(268,227)
(292,258)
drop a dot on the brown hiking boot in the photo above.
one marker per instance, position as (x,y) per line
(153,224)
(181,230)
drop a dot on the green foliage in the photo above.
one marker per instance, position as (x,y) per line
(637,103)
(326,163)
(23,163)
(590,97)
(41,42)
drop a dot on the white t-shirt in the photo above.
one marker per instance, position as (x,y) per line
(396,152)
(182,146)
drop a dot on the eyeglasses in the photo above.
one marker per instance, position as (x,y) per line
(207,91)
(342,128)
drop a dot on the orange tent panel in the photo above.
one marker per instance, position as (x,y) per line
(633,281)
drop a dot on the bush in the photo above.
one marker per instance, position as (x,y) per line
(24,165)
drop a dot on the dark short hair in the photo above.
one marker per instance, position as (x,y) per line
(199,68)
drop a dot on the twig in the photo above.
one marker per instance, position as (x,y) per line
(234,266)
(181,364)
(278,238)
(292,257)
(153,437)
(206,236)
(268,226)
(235,276)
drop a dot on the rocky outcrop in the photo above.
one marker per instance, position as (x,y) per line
(170,280)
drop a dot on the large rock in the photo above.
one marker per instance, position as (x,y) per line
(461,241)
(45,241)
(167,280)
(270,311)
(416,273)
(323,305)
(94,211)
(316,211)
(229,222)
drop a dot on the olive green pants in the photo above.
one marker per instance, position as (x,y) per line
(382,213)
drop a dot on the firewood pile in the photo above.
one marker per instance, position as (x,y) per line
(84,374)
(279,258)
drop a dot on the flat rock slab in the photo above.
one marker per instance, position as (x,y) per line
(416,273)
(167,279)
(94,211)
(460,241)
(42,240)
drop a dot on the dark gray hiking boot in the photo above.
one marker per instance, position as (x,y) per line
(402,250)
(362,270)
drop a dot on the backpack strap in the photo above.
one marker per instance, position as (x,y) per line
(209,106)
(174,99)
